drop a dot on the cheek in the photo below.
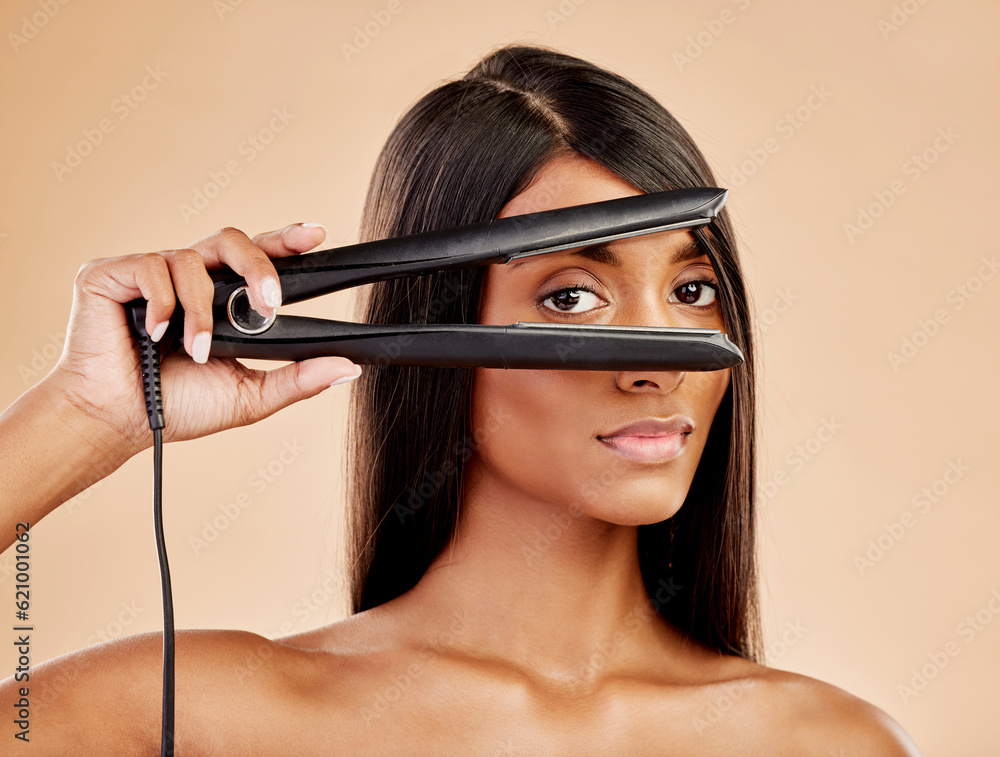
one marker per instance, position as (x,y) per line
(708,390)
(529,430)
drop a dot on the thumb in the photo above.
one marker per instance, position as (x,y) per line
(297,381)
(299,237)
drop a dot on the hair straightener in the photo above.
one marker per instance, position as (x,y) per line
(241,332)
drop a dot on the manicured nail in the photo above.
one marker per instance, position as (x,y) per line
(314,226)
(159,330)
(271,292)
(200,347)
(345,379)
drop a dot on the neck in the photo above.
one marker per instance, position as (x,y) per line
(547,590)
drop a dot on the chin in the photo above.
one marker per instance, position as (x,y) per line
(627,496)
(637,511)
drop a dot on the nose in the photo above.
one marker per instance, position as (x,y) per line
(651,310)
(649,382)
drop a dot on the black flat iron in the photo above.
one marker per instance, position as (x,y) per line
(239,331)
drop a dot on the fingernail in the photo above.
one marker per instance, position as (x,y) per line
(271,292)
(159,330)
(345,379)
(314,226)
(202,343)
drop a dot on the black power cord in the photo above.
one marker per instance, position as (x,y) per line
(149,361)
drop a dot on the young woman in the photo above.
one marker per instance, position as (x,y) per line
(544,562)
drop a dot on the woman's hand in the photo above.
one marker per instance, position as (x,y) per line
(98,371)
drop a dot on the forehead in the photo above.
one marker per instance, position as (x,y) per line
(574,179)
(565,181)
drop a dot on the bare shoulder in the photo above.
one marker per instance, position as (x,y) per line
(818,718)
(107,699)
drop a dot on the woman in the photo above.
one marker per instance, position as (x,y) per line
(545,562)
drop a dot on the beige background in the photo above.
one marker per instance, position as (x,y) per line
(894,101)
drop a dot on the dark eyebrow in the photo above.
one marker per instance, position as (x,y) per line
(601,253)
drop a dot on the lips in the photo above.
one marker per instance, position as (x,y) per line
(654,427)
(651,440)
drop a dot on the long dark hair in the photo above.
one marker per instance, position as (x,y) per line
(457,157)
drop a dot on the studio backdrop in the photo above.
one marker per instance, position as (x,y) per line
(859,144)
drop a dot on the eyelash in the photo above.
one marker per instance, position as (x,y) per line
(587,288)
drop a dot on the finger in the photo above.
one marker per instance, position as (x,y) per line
(155,278)
(195,290)
(299,237)
(231,247)
(283,386)
(125,278)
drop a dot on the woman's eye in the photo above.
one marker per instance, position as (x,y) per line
(697,293)
(577,299)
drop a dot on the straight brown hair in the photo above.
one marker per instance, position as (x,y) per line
(457,157)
